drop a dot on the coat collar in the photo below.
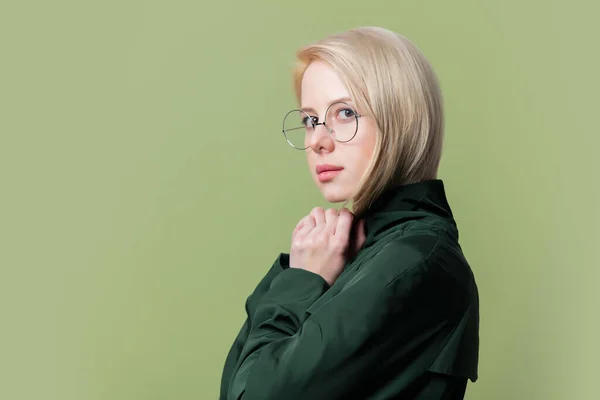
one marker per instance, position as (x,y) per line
(404,203)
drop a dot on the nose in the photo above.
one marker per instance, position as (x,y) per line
(321,140)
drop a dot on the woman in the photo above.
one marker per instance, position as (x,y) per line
(378,303)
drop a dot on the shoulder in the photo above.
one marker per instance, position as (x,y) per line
(404,250)
(408,251)
(419,256)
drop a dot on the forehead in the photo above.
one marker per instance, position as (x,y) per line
(320,86)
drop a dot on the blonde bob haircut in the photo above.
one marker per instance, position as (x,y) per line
(391,81)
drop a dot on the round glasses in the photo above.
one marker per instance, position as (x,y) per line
(341,122)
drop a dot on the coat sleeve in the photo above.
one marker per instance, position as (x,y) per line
(280,264)
(299,349)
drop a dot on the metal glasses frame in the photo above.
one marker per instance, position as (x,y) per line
(315,124)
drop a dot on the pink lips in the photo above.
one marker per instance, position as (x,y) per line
(326,172)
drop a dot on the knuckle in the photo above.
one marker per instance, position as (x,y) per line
(344,211)
(316,210)
(339,245)
(299,245)
(311,240)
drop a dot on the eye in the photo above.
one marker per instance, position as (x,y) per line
(346,113)
(307,123)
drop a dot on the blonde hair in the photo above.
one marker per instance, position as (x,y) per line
(390,80)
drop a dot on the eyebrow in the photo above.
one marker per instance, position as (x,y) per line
(344,99)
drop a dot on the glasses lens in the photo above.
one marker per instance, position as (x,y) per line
(342,120)
(296,126)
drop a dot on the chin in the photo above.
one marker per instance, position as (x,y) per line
(333,194)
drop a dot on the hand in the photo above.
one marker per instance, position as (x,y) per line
(322,242)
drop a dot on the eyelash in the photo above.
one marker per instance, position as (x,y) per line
(316,119)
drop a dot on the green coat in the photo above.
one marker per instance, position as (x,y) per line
(400,322)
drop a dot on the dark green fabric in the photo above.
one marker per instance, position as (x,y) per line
(405,308)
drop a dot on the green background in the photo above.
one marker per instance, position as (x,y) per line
(146,186)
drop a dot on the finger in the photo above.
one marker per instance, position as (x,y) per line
(309,225)
(344,225)
(331,216)
(299,226)
(319,215)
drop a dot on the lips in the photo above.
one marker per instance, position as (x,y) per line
(326,172)
(328,167)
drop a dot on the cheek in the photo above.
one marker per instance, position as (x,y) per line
(366,151)
(362,163)
(370,141)
(358,161)
(310,160)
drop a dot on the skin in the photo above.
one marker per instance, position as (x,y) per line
(323,241)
